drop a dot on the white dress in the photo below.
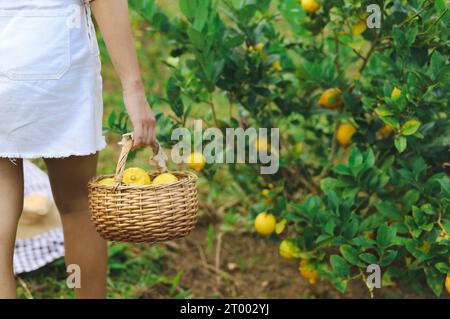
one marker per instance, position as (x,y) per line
(50,84)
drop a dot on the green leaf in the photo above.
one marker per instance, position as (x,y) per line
(409,199)
(340,266)
(201,15)
(410,127)
(342,170)
(400,144)
(369,258)
(385,236)
(388,257)
(188,8)
(443,268)
(435,280)
(340,284)
(197,38)
(351,255)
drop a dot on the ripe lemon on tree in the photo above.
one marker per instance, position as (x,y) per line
(277,65)
(310,6)
(265,223)
(107,181)
(136,176)
(164,178)
(259,47)
(196,161)
(385,131)
(344,134)
(288,250)
(262,145)
(359,27)
(308,272)
(396,93)
(331,98)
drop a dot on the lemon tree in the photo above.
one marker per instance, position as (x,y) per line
(363,117)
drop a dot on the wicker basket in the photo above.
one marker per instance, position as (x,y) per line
(143,213)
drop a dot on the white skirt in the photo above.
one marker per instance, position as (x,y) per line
(50,84)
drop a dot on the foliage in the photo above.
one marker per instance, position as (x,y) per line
(383,201)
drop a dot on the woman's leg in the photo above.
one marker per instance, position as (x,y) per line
(11,205)
(84,247)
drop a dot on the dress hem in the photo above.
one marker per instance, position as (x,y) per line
(59,155)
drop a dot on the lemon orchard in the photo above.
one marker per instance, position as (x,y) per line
(362,175)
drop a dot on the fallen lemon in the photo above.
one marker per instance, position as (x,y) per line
(107,181)
(196,161)
(310,6)
(331,98)
(288,250)
(344,134)
(165,178)
(136,176)
(265,223)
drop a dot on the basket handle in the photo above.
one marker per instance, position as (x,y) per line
(158,156)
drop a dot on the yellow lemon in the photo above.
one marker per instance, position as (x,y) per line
(385,131)
(447,283)
(345,133)
(359,27)
(310,6)
(136,176)
(331,98)
(288,250)
(259,47)
(196,161)
(277,65)
(107,181)
(164,178)
(265,223)
(308,272)
(265,192)
(262,145)
(396,93)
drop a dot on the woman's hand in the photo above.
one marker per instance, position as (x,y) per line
(141,115)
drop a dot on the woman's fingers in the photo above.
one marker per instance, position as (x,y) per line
(144,133)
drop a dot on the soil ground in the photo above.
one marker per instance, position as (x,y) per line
(250,267)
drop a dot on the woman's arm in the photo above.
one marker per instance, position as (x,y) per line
(112,18)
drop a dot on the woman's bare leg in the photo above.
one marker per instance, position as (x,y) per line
(11,205)
(84,247)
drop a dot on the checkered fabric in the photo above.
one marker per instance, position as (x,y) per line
(34,253)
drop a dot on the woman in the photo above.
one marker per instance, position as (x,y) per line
(51,107)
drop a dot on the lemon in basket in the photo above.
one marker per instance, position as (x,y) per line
(107,181)
(165,178)
(136,176)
